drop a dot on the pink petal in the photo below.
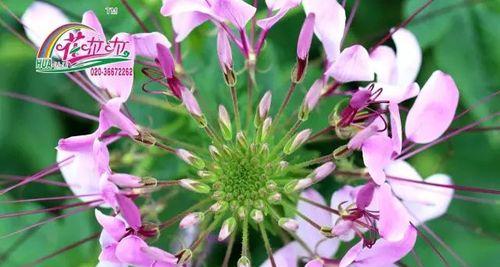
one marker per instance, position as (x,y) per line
(83,171)
(314,94)
(377,152)
(408,58)
(190,102)
(145,44)
(90,19)
(109,191)
(384,63)
(314,263)
(329,24)
(131,250)
(394,219)
(129,211)
(40,19)
(434,109)
(108,257)
(308,233)
(435,200)
(166,61)
(125,180)
(269,22)
(184,23)
(353,64)
(345,195)
(402,189)
(397,94)
(364,196)
(224,50)
(112,225)
(305,37)
(351,255)
(360,137)
(111,116)
(238,12)
(385,253)
(396,130)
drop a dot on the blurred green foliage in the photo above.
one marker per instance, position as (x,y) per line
(458,37)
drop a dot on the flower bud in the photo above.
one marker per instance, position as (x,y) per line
(323,171)
(194,186)
(227,228)
(263,108)
(192,219)
(242,139)
(288,224)
(303,184)
(297,141)
(271,185)
(243,262)
(257,215)
(214,152)
(303,46)
(311,99)
(218,206)
(225,123)
(283,165)
(190,158)
(266,127)
(205,174)
(192,106)
(274,198)
(242,212)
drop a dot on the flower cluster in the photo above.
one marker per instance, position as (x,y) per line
(253,175)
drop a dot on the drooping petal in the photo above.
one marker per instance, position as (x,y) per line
(90,19)
(365,195)
(88,159)
(166,61)
(224,50)
(111,116)
(186,15)
(353,64)
(312,236)
(329,24)
(40,19)
(145,44)
(408,56)
(314,94)
(190,102)
(238,12)
(112,225)
(131,250)
(125,180)
(268,23)
(107,257)
(315,263)
(394,219)
(433,110)
(129,211)
(305,37)
(377,152)
(382,253)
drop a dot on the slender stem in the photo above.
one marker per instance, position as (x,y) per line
(250,89)
(320,133)
(402,25)
(350,19)
(64,249)
(285,102)
(334,211)
(267,244)
(426,239)
(245,252)
(303,216)
(234,97)
(319,160)
(229,249)
(205,233)
(132,12)
(179,216)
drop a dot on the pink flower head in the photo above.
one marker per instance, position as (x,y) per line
(329,24)
(281,7)
(265,105)
(189,14)
(433,110)
(353,64)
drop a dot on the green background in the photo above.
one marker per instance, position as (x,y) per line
(458,37)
